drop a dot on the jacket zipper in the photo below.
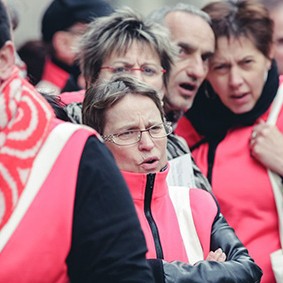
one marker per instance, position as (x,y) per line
(147,210)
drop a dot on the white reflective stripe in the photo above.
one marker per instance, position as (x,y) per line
(275,179)
(180,197)
(181,172)
(277,187)
(43,163)
(275,107)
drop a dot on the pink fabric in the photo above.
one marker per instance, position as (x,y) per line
(37,250)
(72,96)
(25,122)
(165,217)
(204,209)
(54,74)
(243,190)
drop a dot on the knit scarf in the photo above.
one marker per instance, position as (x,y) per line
(212,119)
(25,120)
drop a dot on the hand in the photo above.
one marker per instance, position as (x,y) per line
(218,255)
(266,146)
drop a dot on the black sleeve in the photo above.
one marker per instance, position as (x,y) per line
(238,267)
(107,242)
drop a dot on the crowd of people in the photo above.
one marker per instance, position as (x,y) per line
(138,148)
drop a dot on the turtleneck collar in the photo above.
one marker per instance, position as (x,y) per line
(212,119)
(137,183)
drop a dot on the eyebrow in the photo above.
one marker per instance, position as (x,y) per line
(121,61)
(186,46)
(190,49)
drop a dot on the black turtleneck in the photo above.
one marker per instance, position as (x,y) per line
(212,119)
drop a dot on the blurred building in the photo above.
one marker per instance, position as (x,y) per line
(30,13)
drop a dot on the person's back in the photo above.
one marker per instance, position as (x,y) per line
(57,181)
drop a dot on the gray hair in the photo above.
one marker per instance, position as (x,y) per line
(271,5)
(159,15)
(105,94)
(116,33)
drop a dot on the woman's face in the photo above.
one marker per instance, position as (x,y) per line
(137,56)
(237,73)
(136,112)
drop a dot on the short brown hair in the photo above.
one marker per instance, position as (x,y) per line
(247,18)
(103,95)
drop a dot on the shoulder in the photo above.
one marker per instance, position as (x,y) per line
(200,200)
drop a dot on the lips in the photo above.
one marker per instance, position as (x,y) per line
(238,95)
(150,160)
(188,86)
(187,90)
(150,164)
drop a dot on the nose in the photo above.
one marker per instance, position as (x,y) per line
(138,74)
(146,142)
(197,68)
(235,77)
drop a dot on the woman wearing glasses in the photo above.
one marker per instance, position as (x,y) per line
(124,43)
(181,225)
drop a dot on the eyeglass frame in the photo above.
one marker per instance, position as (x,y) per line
(167,127)
(130,70)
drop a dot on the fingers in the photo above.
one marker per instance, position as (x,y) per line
(218,255)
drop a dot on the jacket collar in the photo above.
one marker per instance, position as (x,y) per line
(137,183)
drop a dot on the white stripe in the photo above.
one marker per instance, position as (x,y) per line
(276,107)
(180,197)
(41,168)
(275,179)
(9,179)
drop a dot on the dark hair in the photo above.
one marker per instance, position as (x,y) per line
(247,18)
(63,14)
(5,25)
(33,53)
(57,106)
(103,95)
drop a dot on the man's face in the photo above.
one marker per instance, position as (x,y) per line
(195,40)
(277,16)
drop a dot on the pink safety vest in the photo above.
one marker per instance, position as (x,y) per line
(40,243)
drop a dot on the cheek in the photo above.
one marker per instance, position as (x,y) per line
(123,155)
(219,83)
(156,83)
(162,145)
(104,75)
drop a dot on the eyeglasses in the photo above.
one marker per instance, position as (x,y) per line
(157,131)
(148,70)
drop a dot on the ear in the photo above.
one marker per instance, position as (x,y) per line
(7,60)
(59,40)
(62,45)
